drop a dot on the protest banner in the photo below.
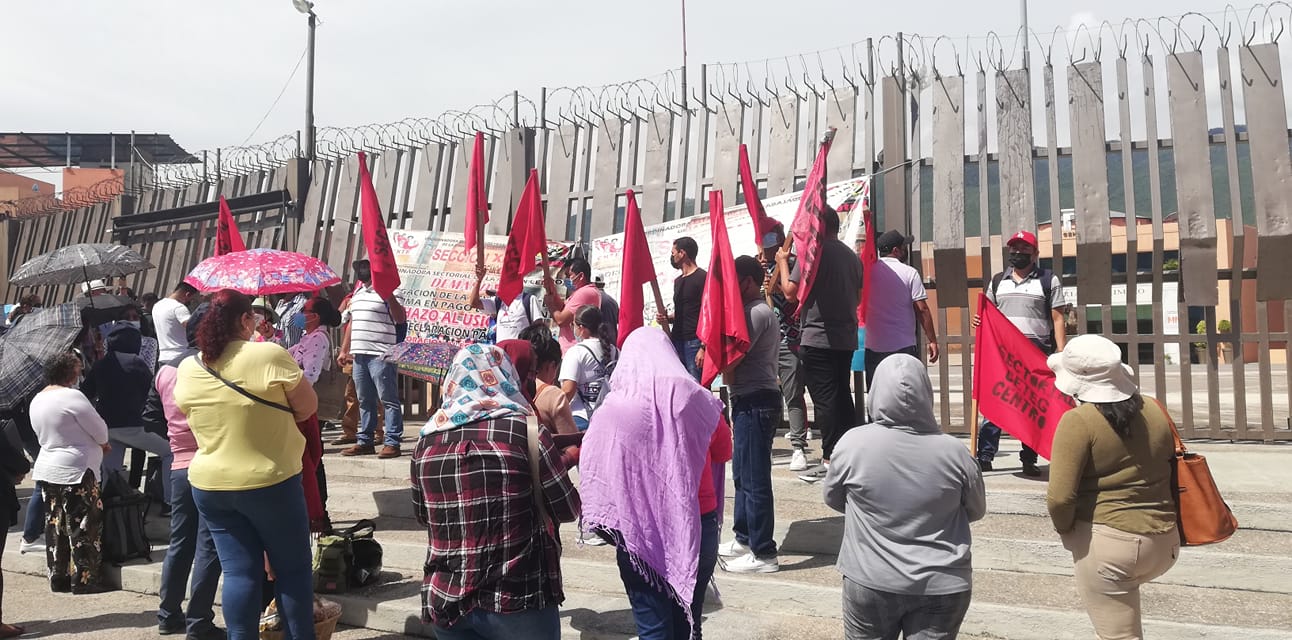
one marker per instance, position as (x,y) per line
(606,253)
(437,273)
(1012,384)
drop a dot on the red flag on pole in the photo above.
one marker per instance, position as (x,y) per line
(528,238)
(385,275)
(806,228)
(638,271)
(477,213)
(722,329)
(752,202)
(1013,384)
(869,256)
(227,238)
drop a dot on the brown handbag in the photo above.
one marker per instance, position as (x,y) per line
(1203,516)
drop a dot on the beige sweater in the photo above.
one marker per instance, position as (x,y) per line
(1124,483)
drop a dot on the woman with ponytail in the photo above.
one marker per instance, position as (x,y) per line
(586,369)
(243,400)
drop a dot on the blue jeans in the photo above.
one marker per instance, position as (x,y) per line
(657,616)
(247,524)
(531,624)
(33,526)
(189,539)
(686,351)
(755,417)
(376,382)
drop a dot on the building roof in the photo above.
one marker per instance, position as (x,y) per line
(20,150)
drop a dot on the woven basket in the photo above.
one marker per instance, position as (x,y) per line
(322,630)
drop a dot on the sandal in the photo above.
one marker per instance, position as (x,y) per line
(11,630)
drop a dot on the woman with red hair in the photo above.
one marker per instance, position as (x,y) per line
(243,400)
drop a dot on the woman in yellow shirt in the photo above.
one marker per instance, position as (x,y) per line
(243,400)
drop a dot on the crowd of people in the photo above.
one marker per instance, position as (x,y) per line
(554,389)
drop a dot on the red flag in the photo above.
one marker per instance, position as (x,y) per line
(806,227)
(385,275)
(227,238)
(1012,383)
(755,206)
(869,256)
(722,329)
(638,271)
(477,200)
(528,238)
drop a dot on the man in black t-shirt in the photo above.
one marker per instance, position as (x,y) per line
(688,292)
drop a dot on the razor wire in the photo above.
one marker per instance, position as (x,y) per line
(911,58)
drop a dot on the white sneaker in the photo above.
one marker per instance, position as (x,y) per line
(749,563)
(732,549)
(591,539)
(798,462)
(712,597)
(807,434)
(31,547)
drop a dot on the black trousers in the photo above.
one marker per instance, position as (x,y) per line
(873,358)
(828,374)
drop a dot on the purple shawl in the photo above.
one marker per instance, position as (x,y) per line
(641,462)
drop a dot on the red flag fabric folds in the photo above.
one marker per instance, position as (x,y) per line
(385,274)
(528,238)
(1012,383)
(477,200)
(722,329)
(752,201)
(806,228)
(869,256)
(227,238)
(638,271)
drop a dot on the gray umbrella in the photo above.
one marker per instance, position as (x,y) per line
(79,263)
(26,348)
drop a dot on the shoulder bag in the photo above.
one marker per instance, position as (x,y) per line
(247,394)
(1202,515)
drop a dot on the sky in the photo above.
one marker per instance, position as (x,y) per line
(208,72)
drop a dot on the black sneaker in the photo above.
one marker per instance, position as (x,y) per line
(813,476)
(211,633)
(1030,470)
(984,465)
(164,629)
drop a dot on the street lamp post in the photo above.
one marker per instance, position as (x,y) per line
(307,7)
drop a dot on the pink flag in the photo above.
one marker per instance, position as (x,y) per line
(723,328)
(385,275)
(752,202)
(477,200)
(638,270)
(528,238)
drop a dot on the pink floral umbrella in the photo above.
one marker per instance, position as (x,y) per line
(262,272)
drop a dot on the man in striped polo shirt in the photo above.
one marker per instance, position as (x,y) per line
(371,332)
(1032,299)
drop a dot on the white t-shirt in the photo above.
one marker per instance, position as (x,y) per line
(585,364)
(169,316)
(512,318)
(71,436)
(895,287)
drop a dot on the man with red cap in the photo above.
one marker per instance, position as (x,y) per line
(1032,299)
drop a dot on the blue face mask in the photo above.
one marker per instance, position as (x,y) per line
(569,284)
(298,321)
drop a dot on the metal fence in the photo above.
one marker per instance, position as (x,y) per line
(1147,169)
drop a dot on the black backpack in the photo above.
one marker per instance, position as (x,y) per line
(347,559)
(1047,288)
(124,508)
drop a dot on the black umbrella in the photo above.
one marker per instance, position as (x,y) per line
(25,349)
(103,308)
(79,263)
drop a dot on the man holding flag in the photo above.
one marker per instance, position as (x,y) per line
(1031,298)
(828,323)
(789,365)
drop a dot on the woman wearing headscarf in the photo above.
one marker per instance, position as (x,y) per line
(908,493)
(242,400)
(1110,495)
(655,405)
(493,566)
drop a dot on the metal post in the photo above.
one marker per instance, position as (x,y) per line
(515,108)
(204,174)
(133,173)
(1027,61)
(113,136)
(69,148)
(309,90)
(684,97)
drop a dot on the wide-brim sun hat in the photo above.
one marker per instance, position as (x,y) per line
(262,305)
(1090,369)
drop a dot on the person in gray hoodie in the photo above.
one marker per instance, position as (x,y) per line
(908,492)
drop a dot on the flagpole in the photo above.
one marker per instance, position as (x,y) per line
(973,429)
(479,241)
(659,304)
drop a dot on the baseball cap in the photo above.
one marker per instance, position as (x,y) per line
(772,234)
(891,240)
(1026,237)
